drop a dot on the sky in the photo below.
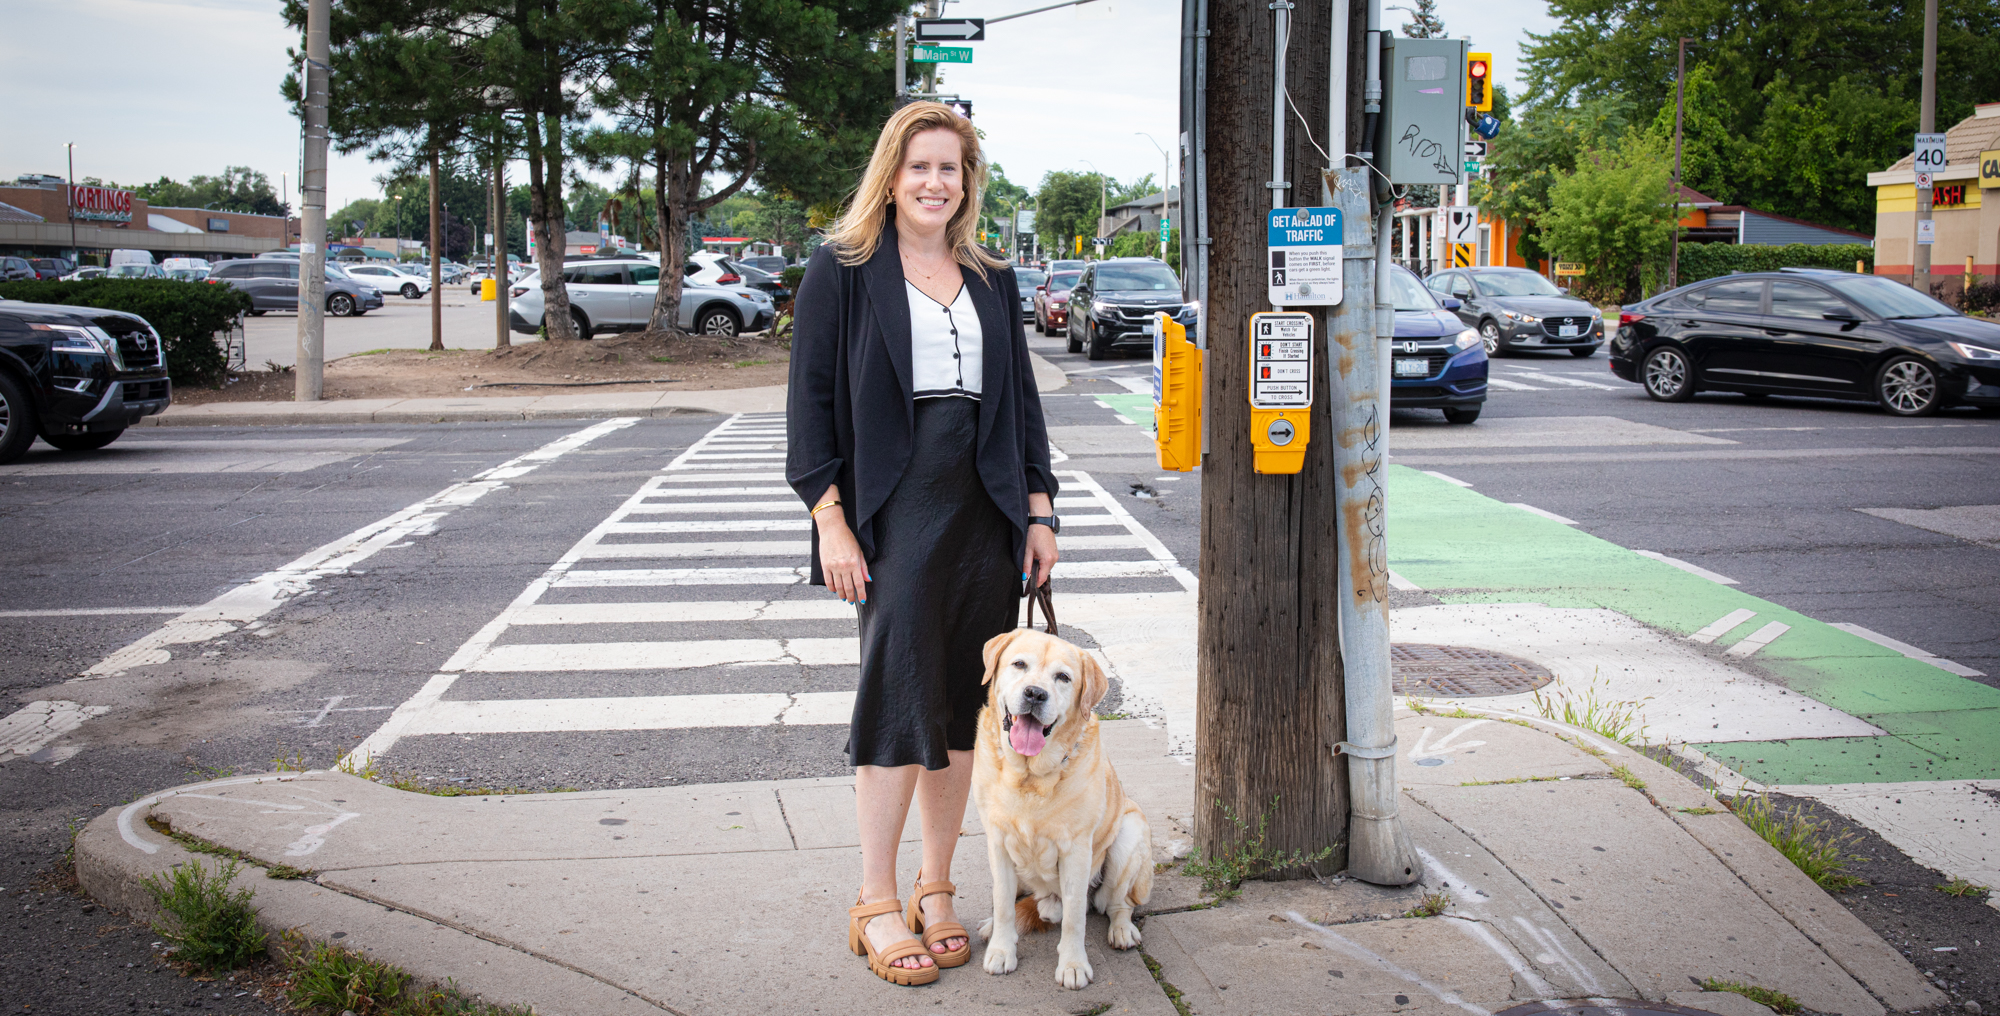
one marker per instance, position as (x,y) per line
(181,88)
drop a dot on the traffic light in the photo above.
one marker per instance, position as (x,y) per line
(1479,81)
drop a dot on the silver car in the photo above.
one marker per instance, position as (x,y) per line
(616,294)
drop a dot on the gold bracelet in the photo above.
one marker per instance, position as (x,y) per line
(824,506)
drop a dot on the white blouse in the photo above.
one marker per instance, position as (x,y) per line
(945,345)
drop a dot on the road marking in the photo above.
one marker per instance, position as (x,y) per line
(1975,523)
(1451,480)
(1424,457)
(1398,582)
(1513,386)
(681,577)
(683,655)
(30,728)
(1691,569)
(1722,626)
(252,600)
(720,506)
(677,611)
(722,477)
(637,712)
(1909,650)
(1577,382)
(750,548)
(1759,639)
(719,491)
(95,611)
(1544,513)
(716,526)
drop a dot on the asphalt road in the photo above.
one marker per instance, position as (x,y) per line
(485,628)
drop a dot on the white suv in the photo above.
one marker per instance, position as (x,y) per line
(390,280)
(614,294)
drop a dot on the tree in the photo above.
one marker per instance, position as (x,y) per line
(1543,148)
(789,93)
(1613,214)
(237,189)
(1068,207)
(1427,24)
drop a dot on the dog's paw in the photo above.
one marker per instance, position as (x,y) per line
(1124,934)
(986,929)
(1001,959)
(1074,974)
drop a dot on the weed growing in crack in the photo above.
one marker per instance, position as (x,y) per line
(1173,993)
(210,926)
(1627,777)
(1619,721)
(326,979)
(365,770)
(1811,844)
(1430,905)
(1223,875)
(295,764)
(1961,888)
(1777,1001)
(1700,811)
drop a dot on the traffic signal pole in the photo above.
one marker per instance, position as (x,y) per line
(310,374)
(1926,123)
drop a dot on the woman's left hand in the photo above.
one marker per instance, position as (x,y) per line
(1042,554)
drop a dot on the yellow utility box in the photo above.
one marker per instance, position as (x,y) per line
(489,289)
(1176,396)
(1281,395)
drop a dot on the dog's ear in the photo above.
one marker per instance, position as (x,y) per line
(994,647)
(1095,684)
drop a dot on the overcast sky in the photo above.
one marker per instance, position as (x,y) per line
(148,88)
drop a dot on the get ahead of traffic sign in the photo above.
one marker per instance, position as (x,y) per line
(1304,256)
(951,29)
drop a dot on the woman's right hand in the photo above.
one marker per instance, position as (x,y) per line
(840,560)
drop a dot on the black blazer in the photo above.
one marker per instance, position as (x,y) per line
(849,416)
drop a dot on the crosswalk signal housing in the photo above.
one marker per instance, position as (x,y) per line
(1479,81)
(1281,395)
(1176,396)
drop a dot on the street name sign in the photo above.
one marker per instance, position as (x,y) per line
(941,54)
(1304,256)
(951,29)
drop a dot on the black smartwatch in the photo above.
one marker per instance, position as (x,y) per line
(1053,522)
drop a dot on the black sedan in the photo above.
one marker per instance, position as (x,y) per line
(1809,332)
(1513,308)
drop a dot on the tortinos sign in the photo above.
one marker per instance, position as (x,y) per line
(101,203)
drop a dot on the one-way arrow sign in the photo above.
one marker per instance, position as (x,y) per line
(952,29)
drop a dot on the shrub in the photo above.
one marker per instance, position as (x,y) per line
(1983,297)
(1707,260)
(793,275)
(210,927)
(186,315)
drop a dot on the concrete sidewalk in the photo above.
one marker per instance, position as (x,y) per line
(1567,879)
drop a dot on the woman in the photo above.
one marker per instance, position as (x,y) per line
(916,441)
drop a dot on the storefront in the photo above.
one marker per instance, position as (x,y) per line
(49,218)
(1965,207)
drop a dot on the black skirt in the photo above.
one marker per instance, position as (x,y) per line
(943,581)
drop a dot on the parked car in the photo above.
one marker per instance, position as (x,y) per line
(51,268)
(773,263)
(1811,332)
(1026,280)
(390,280)
(12,269)
(273,284)
(618,294)
(86,272)
(1435,361)
(187,274)
(130,271)
(1514,308)
(76,376)
(711,269)
(1066,265)
(1113,303)
(1052,302)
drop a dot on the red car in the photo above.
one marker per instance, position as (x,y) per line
(1052,303)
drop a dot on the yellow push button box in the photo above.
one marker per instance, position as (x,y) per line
(1281,394)
(1176,396)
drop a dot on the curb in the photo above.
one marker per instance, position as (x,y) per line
(473,409)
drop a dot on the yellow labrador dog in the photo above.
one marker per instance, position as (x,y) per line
(1057,821)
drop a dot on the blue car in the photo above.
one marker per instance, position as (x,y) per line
(1435,361)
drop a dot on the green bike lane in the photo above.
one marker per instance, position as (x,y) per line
(1465,548)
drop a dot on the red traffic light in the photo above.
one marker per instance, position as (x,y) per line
(1476,69)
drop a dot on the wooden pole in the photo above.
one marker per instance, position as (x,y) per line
(1270,703)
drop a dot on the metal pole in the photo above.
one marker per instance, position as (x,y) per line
(502,278)
(76,256)
(1281,18)
(902,57)
(932,8)
(1680,101)
(437,265)
(1927,123)
(310,374)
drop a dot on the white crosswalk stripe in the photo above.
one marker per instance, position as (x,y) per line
(702,572)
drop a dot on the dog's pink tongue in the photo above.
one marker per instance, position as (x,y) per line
(1026,736)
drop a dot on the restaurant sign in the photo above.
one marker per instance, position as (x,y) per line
(100,204)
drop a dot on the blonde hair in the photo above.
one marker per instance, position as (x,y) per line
(859,230)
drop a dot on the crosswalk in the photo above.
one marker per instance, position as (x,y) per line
(688,609)
(1532,379)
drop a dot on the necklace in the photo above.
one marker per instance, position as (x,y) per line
(910,261)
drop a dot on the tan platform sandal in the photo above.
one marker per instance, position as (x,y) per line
(914,917)
(884,963)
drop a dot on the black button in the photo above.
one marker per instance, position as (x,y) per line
(954,356)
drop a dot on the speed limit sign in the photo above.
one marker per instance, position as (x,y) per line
(1930,153)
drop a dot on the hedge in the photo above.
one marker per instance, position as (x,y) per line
(187,315)
(1707,260)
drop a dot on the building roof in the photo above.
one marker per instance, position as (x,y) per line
(1962,145)
(9,213)
(168,224)
(1147,203)
(1865,237)
(1691,198)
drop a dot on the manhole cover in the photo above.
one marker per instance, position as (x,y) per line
(1460,672)
(1600,1007)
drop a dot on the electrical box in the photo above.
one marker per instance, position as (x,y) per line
(1176,396)
(1423,110)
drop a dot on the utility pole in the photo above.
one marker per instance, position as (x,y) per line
(902,59)
(1166,175)
(310,374)
(932,8)
(437,266)
(502,278)
(1926,124)
(1680,102)
(76,256)
(1270,703)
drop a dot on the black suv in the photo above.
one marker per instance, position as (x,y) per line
(1513,308)
(1810,332)
(1113,304)
(76,376)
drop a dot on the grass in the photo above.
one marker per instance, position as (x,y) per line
(1223,875)
(1618,721)
(1961,888)
(197,845)
(1813,845)
(1511,779)
(1430,905)
(211,927)
(750,363)
(415,785)
(663,359)
(1173,993)
(1777,1001)
(329,979)
(295,764)
(1701,811)
(1627,777)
